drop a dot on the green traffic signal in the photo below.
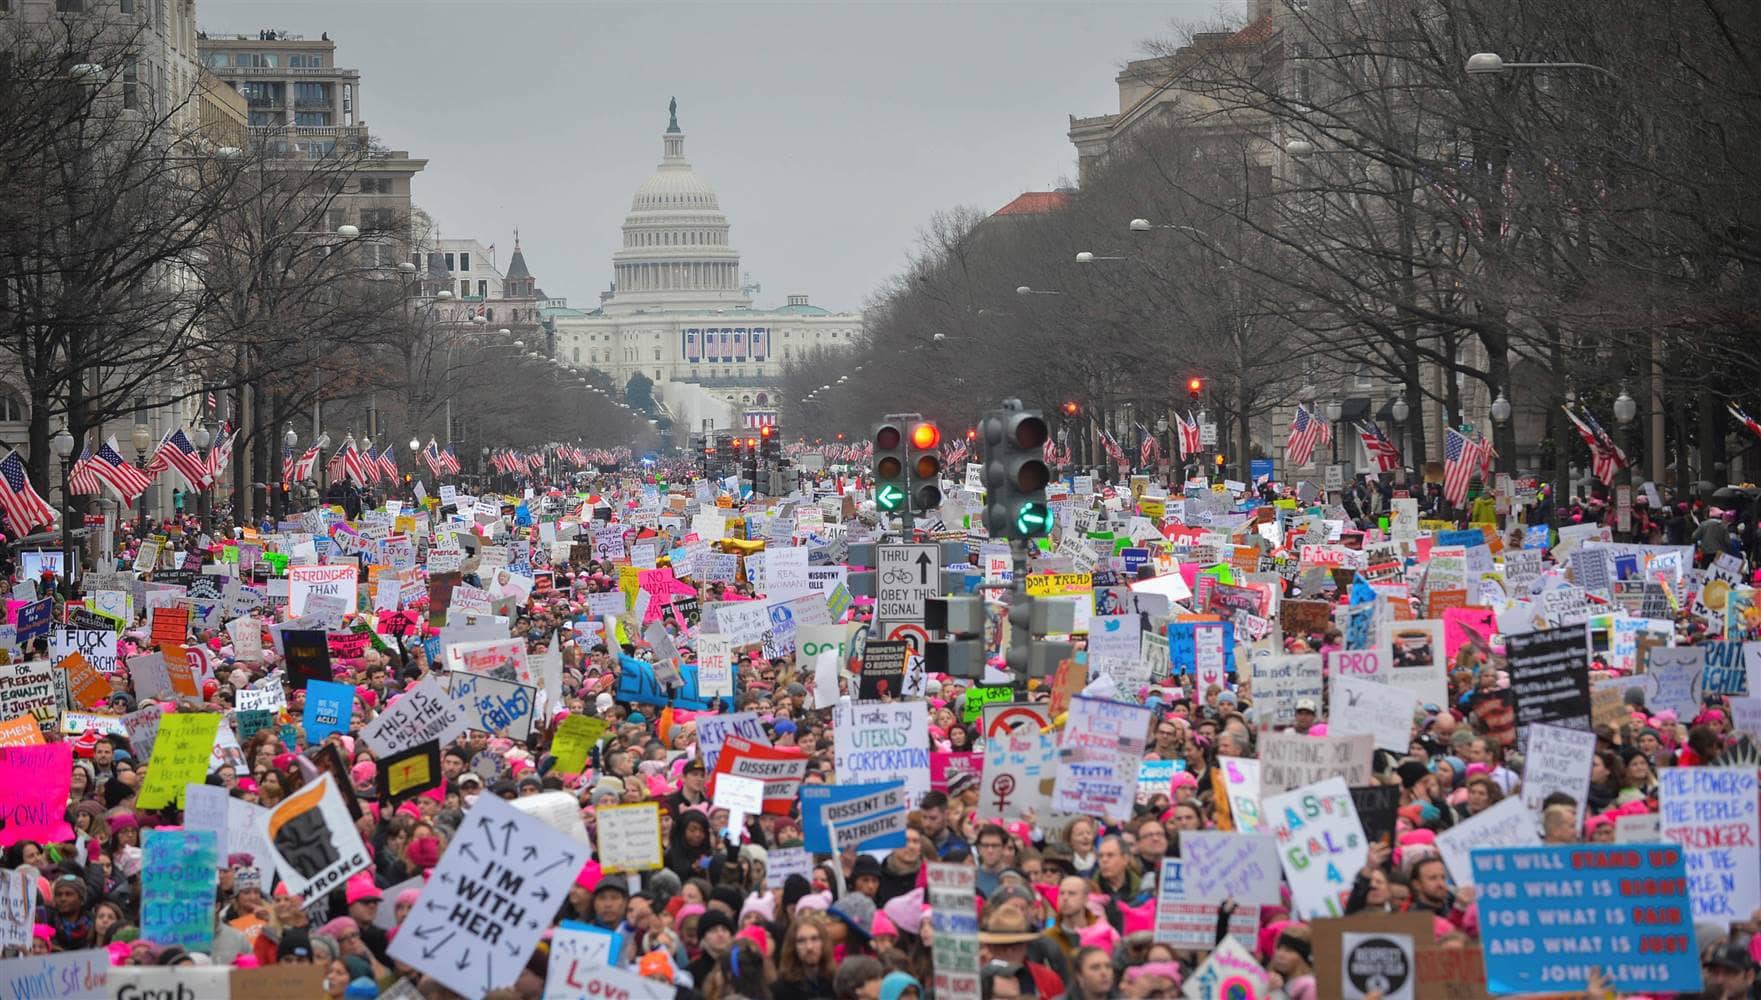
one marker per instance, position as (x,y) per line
(1033,519)
(889,498)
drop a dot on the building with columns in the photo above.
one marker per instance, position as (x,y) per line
(680,314)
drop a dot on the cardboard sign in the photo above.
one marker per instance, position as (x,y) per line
(303,582)
(1711,813)
(34,784)
(1533,933)
(424,712)
(313,842)
(1507,824)
(180,757)
(883,742)
(1098,757)
(629,838)
(410,772)
(179,872)
(490,899)
(1326,846)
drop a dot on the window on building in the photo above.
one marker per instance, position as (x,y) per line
(131,82)
(464,261)
(464,288)
(449,262)
(380,254)
(694,375)
(416,261)
(483,288)
(657,374)
(375,185)
(378,220)
(305,61)
(312,119)
(657,354)
(70,6)
(12,409)
(126,6)
(310,95)
(436,262)
(575,353)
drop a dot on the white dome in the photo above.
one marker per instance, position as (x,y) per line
(674,187)
(676,252)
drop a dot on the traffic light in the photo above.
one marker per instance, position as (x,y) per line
(889,468)
(768,443)
(1015,475)
(926,466)
(1194,387)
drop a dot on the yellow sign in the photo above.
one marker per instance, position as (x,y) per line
(574,737)
(629,578)
(180,757)
(1053,584)
(1155,508)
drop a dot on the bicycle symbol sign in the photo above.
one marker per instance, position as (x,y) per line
(905,577)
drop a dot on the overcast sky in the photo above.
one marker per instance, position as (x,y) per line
(831,131)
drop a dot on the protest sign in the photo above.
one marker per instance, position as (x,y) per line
(268,699)
(502,659)
(1711,813)
(1241,783)
(715,666)
(1420,664)
(1558,760)
(1223,865)
(64,975)
(312,839)
(953,918)
(1507,824)
(874,820)
(1279,682)
(98,646)
(883,670)
(477,922)
(945,765)
(424,712)
(883,742)
(575,737)
(713,731)
(180,757)
(18,907)
(1673,679)
(1187,919)
(29,689)
(1375,663)
(329,709)
(1019,772)
(1551,915)
(307,652)
(409,772)
(34,784)
(629,837)
(1550,678)
(786,861)
(1290,760)
(584,963)
(1229,971)
(21,732)
(1324,844)
(875,799)
(205,807)
(303,582)
(781,770)
(490,705)
(1381,711)
(179,872)
(1097,758)
(1368,952)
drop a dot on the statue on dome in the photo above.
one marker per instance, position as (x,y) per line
(672,107)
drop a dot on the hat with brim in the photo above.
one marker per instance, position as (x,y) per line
(1007,926)
(1006,937)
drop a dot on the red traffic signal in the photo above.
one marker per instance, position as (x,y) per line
(766,431)
(925,436)
(1194,386)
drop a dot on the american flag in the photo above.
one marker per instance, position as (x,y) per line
(1605,457)
(80,479)
(1191,437)
(1051,452)
(1461,458)
(388,463)
(431,455)
(307,465)
(351,461)
(287,464)
(450,460)
(221,453)
(370,464)
(1305,433)
(176,452)
(108,465)
(1147,449)
(1114,452)
(1746,420)
(1379,447)
(23,507)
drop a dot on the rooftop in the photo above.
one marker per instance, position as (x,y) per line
(1036,203)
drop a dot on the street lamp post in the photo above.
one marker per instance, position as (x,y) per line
(62,445)
(1625,409)
(142,438)
(1335,410)
(278,500)
(204,439)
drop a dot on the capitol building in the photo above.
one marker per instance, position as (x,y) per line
(678,311)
